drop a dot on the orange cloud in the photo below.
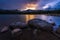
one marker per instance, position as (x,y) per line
(31,6)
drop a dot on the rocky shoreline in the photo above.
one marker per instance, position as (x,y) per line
(35,29)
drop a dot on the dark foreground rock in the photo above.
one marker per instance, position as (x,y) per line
(47,36)
(41,24)
(16,34)
(35,29)
(28,34)
(5,34)
(58,30)
(20,25)
(44,30)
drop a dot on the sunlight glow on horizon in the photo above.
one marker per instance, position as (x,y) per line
(30,6)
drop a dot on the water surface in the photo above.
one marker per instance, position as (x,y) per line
(50,19)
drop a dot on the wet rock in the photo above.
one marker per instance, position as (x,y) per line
(16,34)
(58,30)
(5,33)
(16,30)
(4,29)
(40,24)
(36,33)
(17,25)
(53,23)
(44,35)
(27,34)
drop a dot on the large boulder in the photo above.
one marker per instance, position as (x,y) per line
(41,24)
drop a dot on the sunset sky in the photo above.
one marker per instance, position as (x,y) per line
(22,4)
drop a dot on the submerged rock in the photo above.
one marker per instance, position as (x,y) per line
(53,23)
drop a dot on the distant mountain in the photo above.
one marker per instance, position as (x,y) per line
(29,11)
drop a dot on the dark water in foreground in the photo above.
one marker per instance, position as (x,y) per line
(7,19)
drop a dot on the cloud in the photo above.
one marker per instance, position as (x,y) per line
(14,4)
(52,5)
(42,3)
(9,4)
(19,4)
(57,6)
(32,1)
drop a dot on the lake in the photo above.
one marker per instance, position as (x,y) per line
(6,19)
(50,19)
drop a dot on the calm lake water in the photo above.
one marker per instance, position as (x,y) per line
(7,19)
(50,19)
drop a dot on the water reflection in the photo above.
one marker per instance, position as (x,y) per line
(29,17)
(50,19)
(43,17)
(15,18)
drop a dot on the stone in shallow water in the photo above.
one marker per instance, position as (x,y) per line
(17,25)
(38,23)
(16,34)
(16,30)
(5,35)
(4,29)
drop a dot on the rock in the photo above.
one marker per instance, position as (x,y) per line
(53,23)
(17,25)
(38,23)
(16,30)
(16,34)
(58,30)
(5,33)
(27,34)
(4,29)
(44,35)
